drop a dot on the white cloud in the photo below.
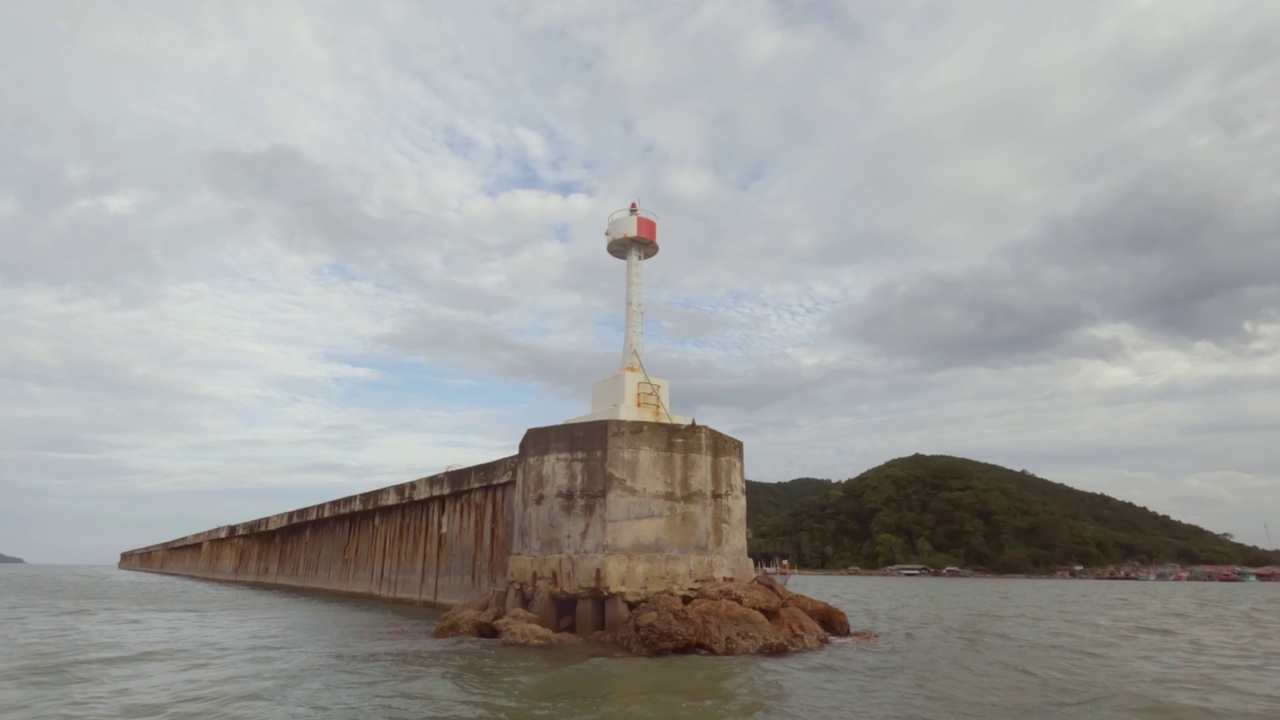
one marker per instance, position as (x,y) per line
(253,252)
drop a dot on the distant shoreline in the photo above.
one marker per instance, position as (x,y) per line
(974,576)
(997,576)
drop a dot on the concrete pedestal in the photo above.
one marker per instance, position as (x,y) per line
(588,615)
(629,395)
(616,613)
(616,507)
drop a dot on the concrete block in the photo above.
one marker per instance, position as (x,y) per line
(589,615)
(544,607)
(515,599)
(632,507)
(616,613)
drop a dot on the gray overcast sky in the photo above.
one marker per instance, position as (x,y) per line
(259,255)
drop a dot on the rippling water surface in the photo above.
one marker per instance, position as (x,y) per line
(96,642)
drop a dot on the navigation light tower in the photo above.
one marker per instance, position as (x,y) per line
(631,394)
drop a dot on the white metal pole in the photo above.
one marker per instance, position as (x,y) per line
(632,343)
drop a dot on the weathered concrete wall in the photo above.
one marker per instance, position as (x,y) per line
(617,507)
(438,540)
(595,508)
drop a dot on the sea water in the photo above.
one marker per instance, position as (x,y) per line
(97,642)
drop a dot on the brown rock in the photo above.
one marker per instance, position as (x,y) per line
(566,639)
(799,631)
(474,618)
(659,626)
(601,637)
(517,616)
(520,627)
(829,617)
(488,619)
(525,634)
(753,597)
(464,622)
(727,628)
(772,585)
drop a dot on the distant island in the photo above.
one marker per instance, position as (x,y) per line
(942,511)
(6,560)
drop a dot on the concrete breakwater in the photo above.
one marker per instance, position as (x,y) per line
(584,510)
(435,540)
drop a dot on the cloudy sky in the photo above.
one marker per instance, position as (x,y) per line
(259,255)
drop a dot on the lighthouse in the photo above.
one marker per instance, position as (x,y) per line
(631,393)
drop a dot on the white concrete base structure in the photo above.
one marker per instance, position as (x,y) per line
(629,508)
(628,395)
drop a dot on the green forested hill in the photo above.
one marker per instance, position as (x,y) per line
(940,510)
(766,501)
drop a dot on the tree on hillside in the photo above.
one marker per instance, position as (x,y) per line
(941,510)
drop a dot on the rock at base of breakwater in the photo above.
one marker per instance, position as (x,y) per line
(727,628)
(476,618)
(799,630)
(521,627)
(830,618)
(752,596)
(462,622)
(659,626)
(720,618)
